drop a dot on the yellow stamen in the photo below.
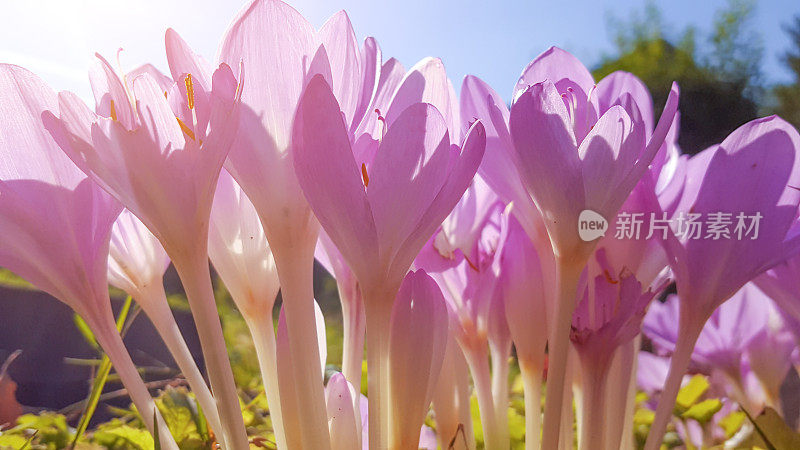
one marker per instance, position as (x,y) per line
(364,174)
(185,128)
(189,90)
(113,112)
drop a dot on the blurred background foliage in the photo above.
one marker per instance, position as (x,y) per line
(719,73)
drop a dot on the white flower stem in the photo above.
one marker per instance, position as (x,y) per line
(567,276)
(478,362)
(500,353)
(196,278)
(532,389)
(688,332)
(263,332)
(111,342)
(378,313)
(354,322)
(593,417)
(621,396)
(295,264)
(153,301)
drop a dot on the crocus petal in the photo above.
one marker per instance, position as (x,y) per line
(607,153)
(136,258)
(340,43)
(651,373)
(264,36)
(408,171)
(479,101)
(417,341)
(561,68)
(613,86)
(391,75)
(107,88)
(753,171)
(331,182)
(462,167)
(339,395)
(164,82)
(426,82)
(182,60)
(524,293)
(548,157)
(239,251)
(571,79)
(371,73)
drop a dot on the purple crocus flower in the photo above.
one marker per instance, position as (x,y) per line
(751,174)
(609,316)
(572,157)
(464,260)
(56,224)
(379,222)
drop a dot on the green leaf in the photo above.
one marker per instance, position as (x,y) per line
(643,416)
(86,332)
(121,436)
(11,280)
(13,441)
(691,393)
(102,374)
(732,423)
(774,431)
(183,419)
(703,411)
(51,429)
(156,439)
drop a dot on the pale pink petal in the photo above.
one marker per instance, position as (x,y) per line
(426,82)
(340,43)
(182,60)
(371,73)
(342,424)
(462,167)
(406,175)
(107,88)
(417,342)
(330,179)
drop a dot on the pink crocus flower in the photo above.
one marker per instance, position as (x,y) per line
(427,437)
(417,340)
(524,292)
(287,382)
(451,399)
(379,222)
(343,425)
(240,253)
(557,108)
(462,257)
(136,264)
(572,158)
(160,157)
(279,50)
(56,224)
(608,316)
(353,315)
(752,173)
(782,284)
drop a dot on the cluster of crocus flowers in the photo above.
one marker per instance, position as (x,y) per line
(453,224)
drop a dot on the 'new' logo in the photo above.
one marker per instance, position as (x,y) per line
(591,225)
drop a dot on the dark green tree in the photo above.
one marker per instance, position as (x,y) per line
(787,96)
(719,88)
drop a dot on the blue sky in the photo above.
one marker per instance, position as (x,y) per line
(494,40)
